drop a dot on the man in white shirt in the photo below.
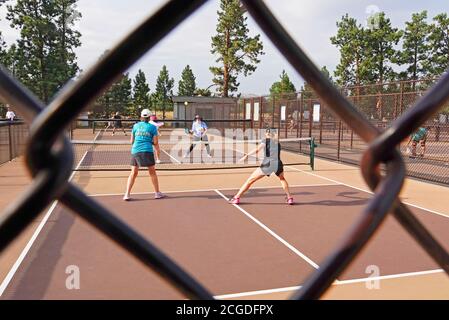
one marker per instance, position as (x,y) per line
(10,115)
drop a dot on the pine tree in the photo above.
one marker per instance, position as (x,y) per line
(11,59)
(381,40)
(3,61)
(415,50)
(326,72)
(439,45)
(187,85)
(306,90)
(46,44)
(67,39)
(163,91)
(104,105)
(117,98)
(102,108)
(121,93)
(352,43)
(283,86)
(141,93)
(237,52)
(3,49)
(202,92)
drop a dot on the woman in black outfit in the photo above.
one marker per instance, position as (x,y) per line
(270,164)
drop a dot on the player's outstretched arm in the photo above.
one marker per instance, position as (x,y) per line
(255,150)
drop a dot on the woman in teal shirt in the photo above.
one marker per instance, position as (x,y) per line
(144,136)
(420,136)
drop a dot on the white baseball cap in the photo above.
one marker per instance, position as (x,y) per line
(145,113)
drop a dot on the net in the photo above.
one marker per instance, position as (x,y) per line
(188,154)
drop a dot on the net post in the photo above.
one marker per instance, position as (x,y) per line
(312,153)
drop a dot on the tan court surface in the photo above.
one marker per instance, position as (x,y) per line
(261,249)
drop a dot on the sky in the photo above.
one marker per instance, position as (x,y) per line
(310,22)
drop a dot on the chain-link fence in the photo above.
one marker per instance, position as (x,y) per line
(13,137)
(49,155)
(306,114)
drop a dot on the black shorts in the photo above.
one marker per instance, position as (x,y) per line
(142,159)
(415,143)
(268,167)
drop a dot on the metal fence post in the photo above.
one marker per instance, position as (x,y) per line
(11,156)
(310,118)
(339,139)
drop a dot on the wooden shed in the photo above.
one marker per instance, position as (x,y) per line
(185,108)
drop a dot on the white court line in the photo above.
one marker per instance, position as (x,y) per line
(25,250)
(33,238)
(272,233)
(367,191)
(255,293)
(173,158)
(392,276)
(336,283)
(96,136)
(223,189)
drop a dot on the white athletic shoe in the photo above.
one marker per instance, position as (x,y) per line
(158,161)
(159,195)
(126,197)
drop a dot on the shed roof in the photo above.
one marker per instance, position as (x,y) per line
(199,99)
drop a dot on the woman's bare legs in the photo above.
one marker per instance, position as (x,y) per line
(131,179)
(284,184)
(154,179)
(256,175)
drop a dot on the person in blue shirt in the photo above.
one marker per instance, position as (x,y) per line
(144,136)
(419,136)
(199,129)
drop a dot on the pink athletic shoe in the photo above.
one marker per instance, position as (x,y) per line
(290,201)
(235,200)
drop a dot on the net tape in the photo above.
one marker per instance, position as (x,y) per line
(49,156)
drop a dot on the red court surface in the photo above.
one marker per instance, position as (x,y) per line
(262,244)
